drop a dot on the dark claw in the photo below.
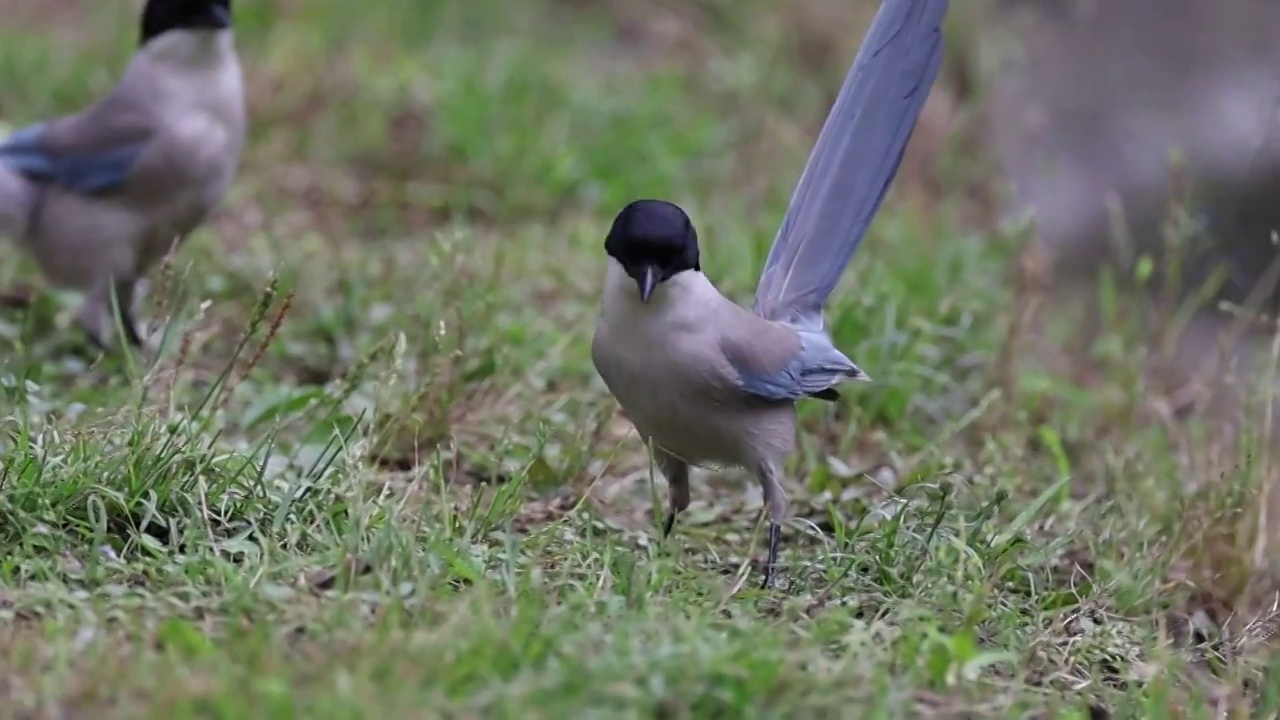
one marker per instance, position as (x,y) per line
(130,329)
(15,299)
(770,565)
(671,522)
(96,341)
(130,335)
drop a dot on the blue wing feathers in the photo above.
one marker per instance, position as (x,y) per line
(794,383)
(811,373)
(89,172)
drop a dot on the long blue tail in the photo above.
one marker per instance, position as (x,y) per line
(854,161)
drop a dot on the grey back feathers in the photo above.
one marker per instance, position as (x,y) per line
(853,162)
(166,140)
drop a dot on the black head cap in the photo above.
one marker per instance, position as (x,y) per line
(161,16)
(653,240)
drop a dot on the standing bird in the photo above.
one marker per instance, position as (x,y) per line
(100,196)
(706,381)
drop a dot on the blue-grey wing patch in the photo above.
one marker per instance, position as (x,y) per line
(778,363)
(89,154)
(796,381)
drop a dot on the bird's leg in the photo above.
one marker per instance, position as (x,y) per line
(676,471)
(19,298)
(95,339)
(97,319)
(94,314)
(775,503)
(124,291)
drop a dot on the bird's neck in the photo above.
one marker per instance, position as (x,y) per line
(192,50)
(188,72)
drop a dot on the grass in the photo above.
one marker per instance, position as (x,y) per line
(372,473)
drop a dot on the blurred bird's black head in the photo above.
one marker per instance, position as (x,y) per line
(653,240)
(161,16)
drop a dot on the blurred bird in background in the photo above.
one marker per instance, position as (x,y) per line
(100,196)
(706,381)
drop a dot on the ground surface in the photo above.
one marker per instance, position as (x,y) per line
(373,474)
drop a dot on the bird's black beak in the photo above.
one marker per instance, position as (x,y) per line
(647,282)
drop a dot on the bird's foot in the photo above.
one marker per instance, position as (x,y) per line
(99,343)
(103,335)
(18,298)
(669,524)
(130,327)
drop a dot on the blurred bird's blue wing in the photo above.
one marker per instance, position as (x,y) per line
(854,161)
(90,154)
(90,172)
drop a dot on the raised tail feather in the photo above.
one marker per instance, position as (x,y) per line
(854,160)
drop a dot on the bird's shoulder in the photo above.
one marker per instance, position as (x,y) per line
(776,361)
(90,152)
(108,124)
(756,346)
